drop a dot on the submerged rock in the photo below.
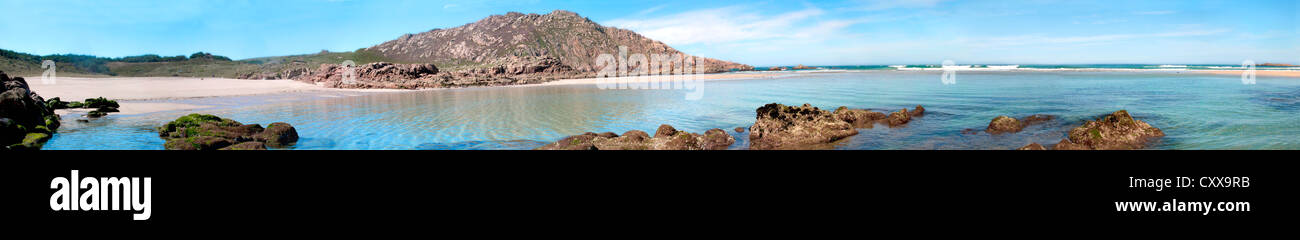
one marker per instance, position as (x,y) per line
(1005,124)
(208,132)
(858,117)
(740,130)
(1117,131)
(1032,146)
(26,120)
(666,138)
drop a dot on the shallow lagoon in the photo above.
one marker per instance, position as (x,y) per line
(1196,111)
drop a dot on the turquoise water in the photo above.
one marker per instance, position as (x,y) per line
(1195,111)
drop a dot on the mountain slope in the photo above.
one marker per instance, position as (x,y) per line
(576,41)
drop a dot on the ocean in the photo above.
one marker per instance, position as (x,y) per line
(1196,111)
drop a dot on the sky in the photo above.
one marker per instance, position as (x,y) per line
(760,33)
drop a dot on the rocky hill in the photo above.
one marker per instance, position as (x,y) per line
(574,40)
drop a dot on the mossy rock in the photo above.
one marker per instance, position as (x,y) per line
(100,102)
(35,140)
(247,146)
(96,114)
(55,103)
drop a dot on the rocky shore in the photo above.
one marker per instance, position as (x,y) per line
(781,127)
(777,127)
(26,121)
(665,138)
(1116,131)
(383,75)
(208,132)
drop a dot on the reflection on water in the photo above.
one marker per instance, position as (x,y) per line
(1195,111)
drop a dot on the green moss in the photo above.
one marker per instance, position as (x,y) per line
(1096,134)
(35,140)
(100,102)
(192,122)
(42,129)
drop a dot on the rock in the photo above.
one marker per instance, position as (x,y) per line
(96,114)
(667,138)
(899,118)
(716,139)
(1032,146)
(740,130)
(100,102)
(636,135)
(208,132)
(858,117)
(1117,131)
(107,109)
(247,146)
(278,135)
(55,103)
(785,127)
(26,120)
(665,131)
(919,111)
(197,143)
(1004,124)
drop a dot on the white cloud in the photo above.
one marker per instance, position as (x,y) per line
(1093,39)
(736,24)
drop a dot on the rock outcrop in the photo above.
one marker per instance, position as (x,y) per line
(665,138)
(1117,131)
(503,72)
(781,127)
(26,121)
(208,132)
(573,40)
(1005,124)
(1033,146)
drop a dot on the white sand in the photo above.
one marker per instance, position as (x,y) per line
(161,88)
(77,89)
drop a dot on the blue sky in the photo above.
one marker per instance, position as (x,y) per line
(763,33)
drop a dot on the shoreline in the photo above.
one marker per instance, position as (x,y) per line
(142,95)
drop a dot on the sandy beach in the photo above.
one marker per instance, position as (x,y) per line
(132,92)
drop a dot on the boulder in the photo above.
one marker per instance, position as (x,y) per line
(858,117)
(740,130)
(278,135)
(1116,131)
(899,118)
(208,132)
(787,127)
(26,119)
(666,138)
(246,146)
(1005,124)
(1032,146)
